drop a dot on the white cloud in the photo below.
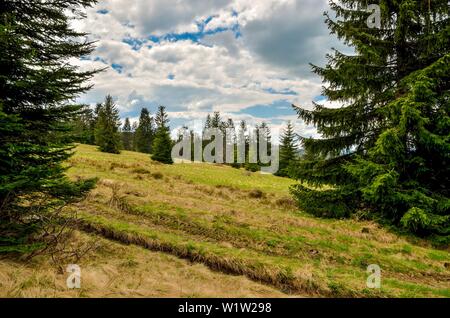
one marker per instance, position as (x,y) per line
(223,71)
(162,16)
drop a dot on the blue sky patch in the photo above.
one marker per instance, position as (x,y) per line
(117,67)
(136,44)
(202,24)
(196,36)
(103,11)
(320,98)
(285,91)
(280,107)
(99,59)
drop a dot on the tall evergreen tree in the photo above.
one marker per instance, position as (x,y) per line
(84,126)
(231,137)
(37,89)
(127,135)
(243,133)
(264,131)
(134,127)
(252,163)
(243,127)
(208,121)
(288,150)
(107,135)
(264,136)
(230,123)
(386,151)
(97,109)
(145,132)
(162,144)
(162,119)
(216,120)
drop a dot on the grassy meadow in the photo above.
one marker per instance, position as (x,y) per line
(204,230)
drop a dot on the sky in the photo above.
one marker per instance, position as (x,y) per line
(248,59)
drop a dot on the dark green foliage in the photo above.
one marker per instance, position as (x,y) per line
(228,129)
(387,150)
(84,126)
(243,133)
(230,123)
(162,143)
(36,85)
(161,118)
(216,121)
(107,135)
(127,135)
(162,147)
(208,121)
(134,127)
(144,133)
(288,150)
(266,137)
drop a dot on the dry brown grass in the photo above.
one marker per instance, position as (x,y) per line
(116,270)
(256,194)
(214,204)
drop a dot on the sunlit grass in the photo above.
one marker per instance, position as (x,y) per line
(211,215)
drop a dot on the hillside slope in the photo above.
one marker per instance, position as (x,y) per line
(240,223)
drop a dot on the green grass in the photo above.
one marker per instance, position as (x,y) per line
(211,215)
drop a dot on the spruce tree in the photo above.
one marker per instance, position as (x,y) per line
(230,124)
(229,141)
(162,144)
(134,127)
(107,135)
(264,131)
(144,132)
(84,126)
(208,121)
(97,109)
(207,125)
(37,89)
(386,150)
(243,133)
(161,118)
(253,153)
(216,120)
(127,135)
(288,150)
(264,134)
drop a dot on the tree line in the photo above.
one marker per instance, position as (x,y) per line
(288,143)
(383,155)
(102,127)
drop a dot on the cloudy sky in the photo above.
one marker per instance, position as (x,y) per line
(248,59)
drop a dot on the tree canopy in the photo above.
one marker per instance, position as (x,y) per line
(385,152)
(107,134)
(37,90)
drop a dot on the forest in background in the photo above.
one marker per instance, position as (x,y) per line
(383,155)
